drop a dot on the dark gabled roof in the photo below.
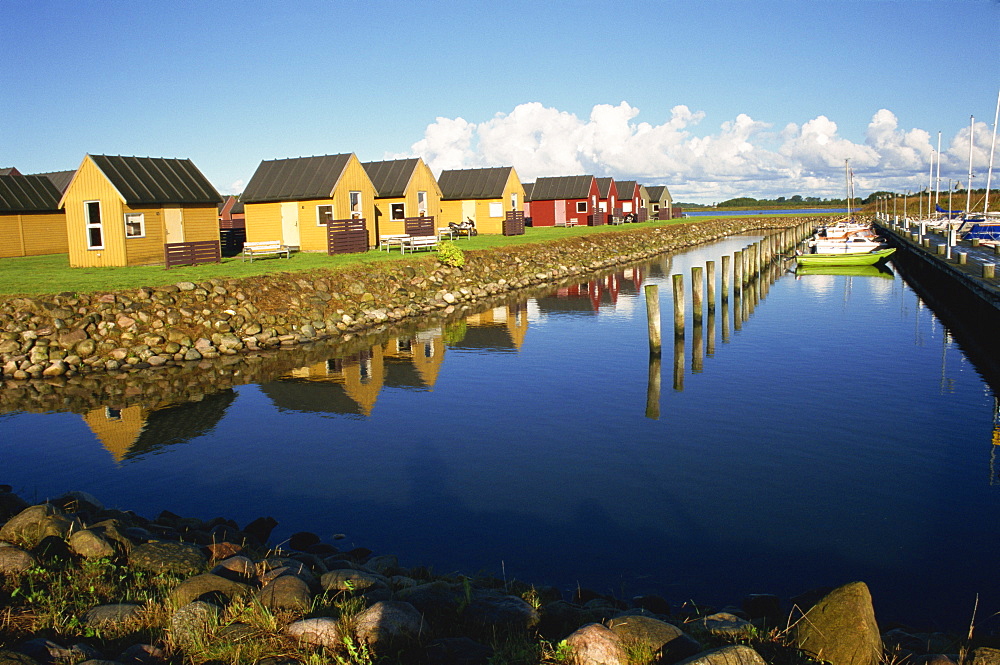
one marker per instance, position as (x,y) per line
(604,187)
(156,180)
(562,187)
(626,189)
(10,170)
(658,192)
(60,179)
(28,193)
(295,179)
(528,187)
(391,177)
(488,183)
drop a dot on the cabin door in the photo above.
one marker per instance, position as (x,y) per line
(560,211)
(290,223)
(468,211)
(173,222)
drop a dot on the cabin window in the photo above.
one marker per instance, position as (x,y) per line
(324,215)
(355,200)
(513,200)
(135,225)
(656,207)
(626,206)
(397,211)
(421,203)
(581,206)
(95,230)
(496,209)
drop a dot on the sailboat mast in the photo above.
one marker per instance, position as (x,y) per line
(937,190)
(847,186)
(993,147)
(968,191)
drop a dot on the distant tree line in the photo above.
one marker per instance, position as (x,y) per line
(796,201)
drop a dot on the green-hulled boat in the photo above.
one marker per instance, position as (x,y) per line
(853,259)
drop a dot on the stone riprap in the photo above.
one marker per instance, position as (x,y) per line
(321,604)
(68,334)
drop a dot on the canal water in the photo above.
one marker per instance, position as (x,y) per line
(827,429)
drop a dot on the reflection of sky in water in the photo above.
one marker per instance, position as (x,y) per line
(838,435)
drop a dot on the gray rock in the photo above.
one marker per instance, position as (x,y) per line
(168,557)
(492,608)
(458,651)
(322,631)
(841,628)
(47,651)
(193,623)
(34,523)
(664,640)
(737,654)
(388,621)
(142,654)
(14,560)
(16,658)
(111,614)
(595,644)
(286,593)
(350,580)
(433,598)
(205,586)
(90,545)
(725,624)
(237,568)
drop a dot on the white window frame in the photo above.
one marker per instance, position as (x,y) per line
(581,207)
(319,215)
(421,203)
(496,209)
(90,226)
(141,221)
(354,203)
(513,200)
(402,212)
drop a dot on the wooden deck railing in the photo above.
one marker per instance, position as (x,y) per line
(191,253)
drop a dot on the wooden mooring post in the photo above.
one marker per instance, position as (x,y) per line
(678,306)
(737,271)
(710,278)
(652,293)
(725,278)
(697,293)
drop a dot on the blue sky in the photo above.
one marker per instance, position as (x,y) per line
(713,99)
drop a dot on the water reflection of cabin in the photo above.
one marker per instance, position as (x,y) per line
(133,431)
(498,329)
(351,385)
(588,297)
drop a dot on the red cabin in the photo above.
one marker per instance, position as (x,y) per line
(563,200)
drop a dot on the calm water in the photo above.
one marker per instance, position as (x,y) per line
(840,433)
(737,213)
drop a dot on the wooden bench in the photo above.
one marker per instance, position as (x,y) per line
(262,247)
(414,243)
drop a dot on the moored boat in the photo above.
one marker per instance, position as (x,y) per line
(846,259)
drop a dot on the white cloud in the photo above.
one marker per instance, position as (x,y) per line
(743,156)
(234,188)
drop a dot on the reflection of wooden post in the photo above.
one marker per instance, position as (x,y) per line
(653,388)
(725,322)
(737,309)
(725,279)
(679,306)
(710,278)
(710,333)
(653,318)
(697,293)
(697,347)
(679,362)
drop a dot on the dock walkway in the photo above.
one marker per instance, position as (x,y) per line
(972,270)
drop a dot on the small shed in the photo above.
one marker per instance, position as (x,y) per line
(661,203)
(31,222)
(629,197)
(121,211)
(292,200)
(404,188)
(563,200)
(482,195)
(607,195)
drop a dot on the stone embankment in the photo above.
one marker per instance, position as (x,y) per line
(80,582)
(68,334)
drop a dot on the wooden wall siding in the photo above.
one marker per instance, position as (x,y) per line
(89,184)
(451,211)
(33,234)
(263,222)
(423,181)
(147,250)
(201,223)
(354,179)
(383,214)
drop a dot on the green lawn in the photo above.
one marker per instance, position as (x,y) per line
(35,275)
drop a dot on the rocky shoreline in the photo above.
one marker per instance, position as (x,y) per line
(69,334)
(182,590)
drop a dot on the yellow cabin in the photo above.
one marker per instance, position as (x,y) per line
(482,195)
(291,200)
(31,222)
(121,211)
(404,188)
